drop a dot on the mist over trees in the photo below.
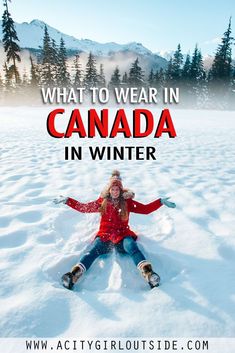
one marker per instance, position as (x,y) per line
(199,88)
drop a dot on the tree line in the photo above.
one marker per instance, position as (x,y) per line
(213,88)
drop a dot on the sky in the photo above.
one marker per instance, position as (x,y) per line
(158,25)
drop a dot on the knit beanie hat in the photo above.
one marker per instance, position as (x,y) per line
(116,180)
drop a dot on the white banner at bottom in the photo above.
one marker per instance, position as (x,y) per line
(112,345)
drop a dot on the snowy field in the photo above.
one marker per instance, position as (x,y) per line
(192,247)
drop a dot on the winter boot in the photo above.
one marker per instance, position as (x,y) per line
(70,278)
(149,275)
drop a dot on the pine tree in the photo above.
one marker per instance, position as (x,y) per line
(101,77)
(47,70)
(54,52)
(159,82)
(176,67)
(63,79)
(186,68)
(169,70)
(10,45)
(221,74)
(1,83)
(115,80)
(25,80)
(197,72)
(2,95)
(197,77)
(34,74)
(159,79)
(91,79)
(221,70)
(7,78)
(136,75)
(232,101)
(124,79)
(151,78)
(186,88)
(55,62)
(77,80)
(46,49)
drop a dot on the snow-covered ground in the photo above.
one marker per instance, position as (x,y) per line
(192,247)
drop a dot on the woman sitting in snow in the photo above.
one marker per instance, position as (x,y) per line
(114,205)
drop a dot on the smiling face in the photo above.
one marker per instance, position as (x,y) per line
(114,192)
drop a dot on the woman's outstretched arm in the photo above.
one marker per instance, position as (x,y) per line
(89,207)
(137,207)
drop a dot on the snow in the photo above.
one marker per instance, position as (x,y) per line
(192,247)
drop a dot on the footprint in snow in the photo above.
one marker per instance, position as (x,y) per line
(13,239)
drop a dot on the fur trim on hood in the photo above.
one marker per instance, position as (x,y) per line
(128,194)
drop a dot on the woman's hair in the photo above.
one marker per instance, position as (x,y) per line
(121,204)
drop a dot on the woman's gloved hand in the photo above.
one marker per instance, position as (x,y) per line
(168,203)
(60,199)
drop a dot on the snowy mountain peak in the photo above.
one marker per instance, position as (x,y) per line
(31,36)
(37,23)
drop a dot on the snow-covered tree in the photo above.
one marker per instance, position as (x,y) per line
(34,74)
(91,77)
(77,77)
(47,69)
(7,78)
(1,84)
(25,79)
(46,48)
(55,62)
(63,77)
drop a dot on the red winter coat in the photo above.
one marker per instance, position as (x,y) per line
(112,227)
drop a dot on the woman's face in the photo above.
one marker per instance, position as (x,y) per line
(114,192)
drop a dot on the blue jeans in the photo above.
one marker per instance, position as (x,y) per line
(98,247)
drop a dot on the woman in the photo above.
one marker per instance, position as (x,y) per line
(114,205)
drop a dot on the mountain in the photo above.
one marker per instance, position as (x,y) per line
(110,54)
(31,36)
